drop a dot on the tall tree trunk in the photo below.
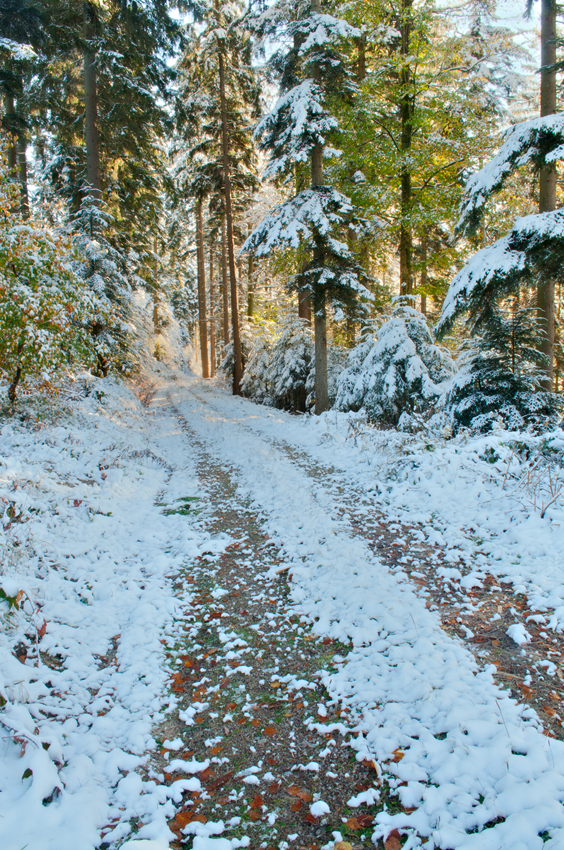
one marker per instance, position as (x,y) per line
(547,179)
(406,109)
(251,288)
(201,269)
(212,317)
(319,306)
(22,162)
(238,367)
(10,107)
(225,288)
(91,133)
(424,271)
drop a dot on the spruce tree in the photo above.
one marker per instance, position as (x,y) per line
(297,131)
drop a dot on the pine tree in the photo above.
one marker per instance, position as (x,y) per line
(295,132)
(501,375)
(218,100)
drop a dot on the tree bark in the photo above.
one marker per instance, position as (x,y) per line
(424,271)
(224,282)
(251,288)
(212,317)
(320,313)
(91,133)
(238,365)
(22,162)
(547,177)
(10,121)
(406,109)
(201,270)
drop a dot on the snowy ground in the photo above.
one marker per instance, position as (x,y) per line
(95,529)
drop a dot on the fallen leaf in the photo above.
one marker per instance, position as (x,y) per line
(343,845)
(393,842)
(257,802)
(398,755)
(215,750)
(309,818)
(275,684)
(296,805)
(254,815)
(359,821)
(255,721)
(296,791)
(270,730)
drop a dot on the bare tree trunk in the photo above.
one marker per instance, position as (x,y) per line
(238,367)
(406,108)
(91,133)
(424,271)
(22,161)
(547,177)
(319,307)
(251,288)
(201,268)
(10,122)
(224,282)
(212,317)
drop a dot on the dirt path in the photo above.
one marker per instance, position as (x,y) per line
(247,683)
(478,614)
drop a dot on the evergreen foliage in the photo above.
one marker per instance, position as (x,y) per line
(501,374)
(397,371)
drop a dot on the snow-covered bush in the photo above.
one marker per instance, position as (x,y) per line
(255,383)
(501,375)
(397,372)
(291,365)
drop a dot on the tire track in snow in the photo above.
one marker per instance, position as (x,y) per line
(472,764)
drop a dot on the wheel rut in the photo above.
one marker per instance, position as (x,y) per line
(246,675)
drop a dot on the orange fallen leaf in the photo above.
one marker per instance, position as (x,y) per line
(359,821)
(296,805)
(398,755)
(257,802)
(270,730)
(393,842)
(254,815)
(274,787)
(296,791)
(215,750)
(255,721)
(309,818)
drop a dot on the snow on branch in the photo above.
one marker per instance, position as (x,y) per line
(319,29)
(534,240)
(540,141)
(15,50)
(313,212)
(297,123)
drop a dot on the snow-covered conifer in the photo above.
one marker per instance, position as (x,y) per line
(297,130)
(501,376)
(398,370)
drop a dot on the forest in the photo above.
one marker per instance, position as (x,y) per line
(385,238)
(281,425)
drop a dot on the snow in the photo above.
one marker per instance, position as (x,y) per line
(470,754)
(95,557)
(523,142)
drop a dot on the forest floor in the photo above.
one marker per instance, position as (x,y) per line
(311,657)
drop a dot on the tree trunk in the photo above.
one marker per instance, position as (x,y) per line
(547,179)
(10,125)
(91,134)
(251,288)
(238,367)
(13,388)
(424,272)
(212,317)
(406,108)
(320,314)
(224,282)
(22,161)
(201,269)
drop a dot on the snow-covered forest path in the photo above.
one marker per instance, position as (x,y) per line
(469,766)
